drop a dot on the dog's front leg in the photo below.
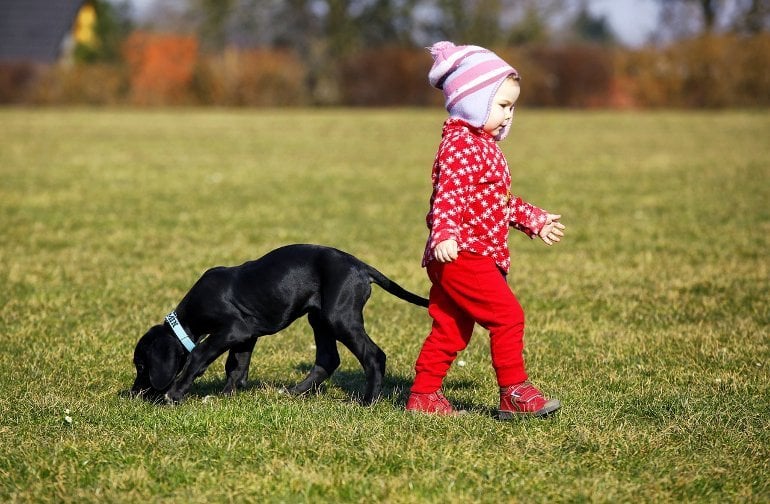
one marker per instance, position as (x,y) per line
(197,363)
(237,366)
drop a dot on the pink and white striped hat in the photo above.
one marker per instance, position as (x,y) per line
(469,76)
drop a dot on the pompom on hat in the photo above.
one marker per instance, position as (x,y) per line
(469,76)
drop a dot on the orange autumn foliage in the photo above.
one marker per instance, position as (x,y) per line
(161,67)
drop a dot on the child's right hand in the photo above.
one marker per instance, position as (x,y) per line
(445,251)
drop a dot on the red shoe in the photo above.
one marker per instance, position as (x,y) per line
(524,399)
(434,403)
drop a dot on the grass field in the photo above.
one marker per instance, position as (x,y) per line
(650,321)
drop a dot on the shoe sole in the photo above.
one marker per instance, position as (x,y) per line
(453,413)
(550,408)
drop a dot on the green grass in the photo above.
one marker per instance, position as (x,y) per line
(649,321)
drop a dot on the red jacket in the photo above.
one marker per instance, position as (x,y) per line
(471,201)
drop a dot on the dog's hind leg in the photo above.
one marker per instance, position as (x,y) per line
(237,366)
(327,358)
(352,334)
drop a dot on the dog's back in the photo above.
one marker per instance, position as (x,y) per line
(276,288)
(284,284)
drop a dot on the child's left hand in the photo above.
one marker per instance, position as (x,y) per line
(552,231)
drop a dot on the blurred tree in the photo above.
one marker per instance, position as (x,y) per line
(686,18)
(213,29)
(753,17)
(450,20)
(383,22)
(341,28)
(532,29)
(682,19)
(709,11)
(590,28)
(484,27)
(300,28)
(323,33)
(476,21)
(535,21)
(177,16)
(161,67)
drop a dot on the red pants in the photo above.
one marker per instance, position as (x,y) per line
(468,290)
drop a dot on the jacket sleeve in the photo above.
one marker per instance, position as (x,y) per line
(526,217)
(451,188)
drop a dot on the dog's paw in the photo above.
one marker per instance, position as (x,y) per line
(304,389)
(171,399)
(296,390)
(230,390)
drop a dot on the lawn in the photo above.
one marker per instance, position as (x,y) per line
(649,321)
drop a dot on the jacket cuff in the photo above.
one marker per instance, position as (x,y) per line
(529,219)
(437,237)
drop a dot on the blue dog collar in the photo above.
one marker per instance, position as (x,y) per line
(173,321)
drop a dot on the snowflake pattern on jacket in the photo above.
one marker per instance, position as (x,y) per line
(471,201)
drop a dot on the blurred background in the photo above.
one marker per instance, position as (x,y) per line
(270,53)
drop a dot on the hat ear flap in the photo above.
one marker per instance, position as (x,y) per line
(504,132)
(164,363)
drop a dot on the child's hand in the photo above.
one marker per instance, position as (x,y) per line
(552,230)
(445,251)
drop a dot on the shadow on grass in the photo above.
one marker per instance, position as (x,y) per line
(395,388)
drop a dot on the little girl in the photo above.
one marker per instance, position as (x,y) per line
(471,209)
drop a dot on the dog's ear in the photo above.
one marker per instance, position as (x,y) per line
(165,361)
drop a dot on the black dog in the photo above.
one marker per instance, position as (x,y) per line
(234,306)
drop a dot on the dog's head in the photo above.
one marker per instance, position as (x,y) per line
(158,358)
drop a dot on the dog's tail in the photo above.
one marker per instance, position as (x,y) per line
(395,289)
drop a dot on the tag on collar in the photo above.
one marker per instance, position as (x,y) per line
(173,321)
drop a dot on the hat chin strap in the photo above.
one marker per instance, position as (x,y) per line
(503,132)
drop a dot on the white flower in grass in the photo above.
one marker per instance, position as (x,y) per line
(461,363)
(67,417)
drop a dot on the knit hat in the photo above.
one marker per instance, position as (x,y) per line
(469,76)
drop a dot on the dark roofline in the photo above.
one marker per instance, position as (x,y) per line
(33,30)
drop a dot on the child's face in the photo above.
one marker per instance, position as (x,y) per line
(501,112)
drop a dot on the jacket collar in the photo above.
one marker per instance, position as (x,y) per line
(454,123)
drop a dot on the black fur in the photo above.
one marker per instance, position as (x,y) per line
(234,306)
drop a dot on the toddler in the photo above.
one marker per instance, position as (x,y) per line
(467,256)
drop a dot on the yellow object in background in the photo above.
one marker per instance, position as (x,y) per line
(84,31)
